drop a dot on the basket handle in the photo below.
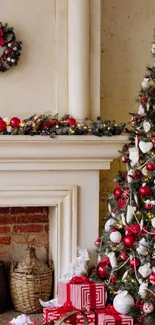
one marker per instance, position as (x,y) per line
(71,314)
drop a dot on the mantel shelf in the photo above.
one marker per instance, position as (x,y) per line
(86,152)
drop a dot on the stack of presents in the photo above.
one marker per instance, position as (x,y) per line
(83,295)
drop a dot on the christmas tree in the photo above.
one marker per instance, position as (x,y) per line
(126,249)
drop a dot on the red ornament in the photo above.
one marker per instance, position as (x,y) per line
(14,122)
(152,278)
(148,206)
(101,272)
(121,203)
(97,242)
(71,121)
(135,228)
(105,260)
(128,240)
(145,190)
(123,256)
(2,125)
(144,100)
(52,122)
(150,166)
(135,262)
(117,192)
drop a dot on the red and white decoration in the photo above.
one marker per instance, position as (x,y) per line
(53,314)
(82,296)
(106,317)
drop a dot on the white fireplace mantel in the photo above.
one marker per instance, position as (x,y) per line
(61,153)
(63,174)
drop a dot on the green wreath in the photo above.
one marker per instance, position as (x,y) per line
(10,47)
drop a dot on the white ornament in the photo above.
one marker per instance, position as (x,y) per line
(112,258)
(109,223)
(116,237)
(123,219)
(130,213)
(8,59)
(125,275)
(143,290)
(7,120)
(146,83)
(148,307)
(153,222)
(15,48)
(134,155)
(153,49)
(145,146)
(123,302)
(136,198)
(109,207)
(12,60)
(142,249)
(9,129)
(145,270)
(146,126)
(130,173)
(144,171)
(141,110)
(9,44)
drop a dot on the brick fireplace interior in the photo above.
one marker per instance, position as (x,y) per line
(20,227)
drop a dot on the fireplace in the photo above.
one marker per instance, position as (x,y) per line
(63,175)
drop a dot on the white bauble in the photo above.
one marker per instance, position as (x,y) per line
(146,83)
(146,126)
(116,237)
(7,120)
(148,307)
(141,110)
(145,146)
(123,302)
(153,222)
(109,223)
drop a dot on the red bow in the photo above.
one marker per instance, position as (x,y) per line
(2,42)
(110,310)
(67,307)
(79,280)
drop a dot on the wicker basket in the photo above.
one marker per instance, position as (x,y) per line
(30,280)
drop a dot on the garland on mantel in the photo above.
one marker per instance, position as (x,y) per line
(52,125)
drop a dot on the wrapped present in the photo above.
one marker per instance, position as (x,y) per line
(109,316)
(82,293)
(55,313)
(22,320)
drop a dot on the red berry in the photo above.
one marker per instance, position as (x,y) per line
(117,192)
(150,166)
(135,262)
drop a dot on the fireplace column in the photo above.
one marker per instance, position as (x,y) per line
(78,58)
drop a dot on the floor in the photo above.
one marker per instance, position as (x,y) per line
(6,317)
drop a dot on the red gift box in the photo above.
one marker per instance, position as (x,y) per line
(82,293)
(54,313)
(109,316)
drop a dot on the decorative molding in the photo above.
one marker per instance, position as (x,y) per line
(62,153)
(62,203)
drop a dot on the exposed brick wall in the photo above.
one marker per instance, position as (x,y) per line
(20,226)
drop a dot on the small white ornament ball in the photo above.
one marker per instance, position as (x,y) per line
(109,223)
(9,44)
(146,83)
(116,237)
(148,307)
(123,302)
(15,48)
(153,222)
(12,60)
(8,59)
(7,120)
(9,129)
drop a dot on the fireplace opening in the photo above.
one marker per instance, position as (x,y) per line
(20,227)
